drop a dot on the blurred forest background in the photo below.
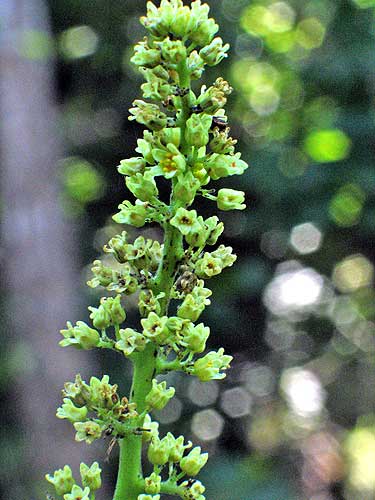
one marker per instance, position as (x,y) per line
(295,418)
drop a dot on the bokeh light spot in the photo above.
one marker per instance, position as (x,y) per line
(207,425)
(293,290)
(171,413)
(310,33)
(303,392)
(353,273)
(360,447)
(203,393)
(78,42)
(306,238)
(236,402)
(346,206)
(81,180)
(325,146)
(280,17)
(364,4)
(264,100)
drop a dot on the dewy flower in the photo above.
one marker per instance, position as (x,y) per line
(230,199)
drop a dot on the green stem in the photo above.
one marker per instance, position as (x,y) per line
(130,477)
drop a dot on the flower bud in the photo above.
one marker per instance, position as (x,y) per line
(132,166)
(230,199)
(118,314)
(194,461)
(91,476)
(159,395)
(87,431)
(78,493)
(69,411)
(190,308)
(204,32)
(62,480)
(148,497)
(197,128)
(152,483)
(209,367)
(145,148)
(158,451)
(142,186)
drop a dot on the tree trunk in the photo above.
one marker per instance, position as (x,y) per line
(38,249)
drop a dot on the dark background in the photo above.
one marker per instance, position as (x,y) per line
(294,419)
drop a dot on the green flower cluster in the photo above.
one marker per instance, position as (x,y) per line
(96,408)
(186,142)
(66,486)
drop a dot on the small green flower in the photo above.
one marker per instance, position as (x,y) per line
(69,411)
(152,483)
(170,135)
(152,429)
(208,266)
(159,395)
(62,480)
(224,165)
(173,51)
(80,336)
(155,328)
(103,275)
(103,394)
(177,448)
(145,56)
(186,221)
(130,341)
(197,128)
(147,302)
(186,188)
(142,186)
(193,491)
(230,199)
(194,461)
(215,52)
(148,497)
(170,161)
(209,367)
(214,229)
(221,143)
(195,65)
(158,451)
(195,338)
(132,166)
(78,493)
(148,114)
(87,431)
(134,215)
(91,476)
